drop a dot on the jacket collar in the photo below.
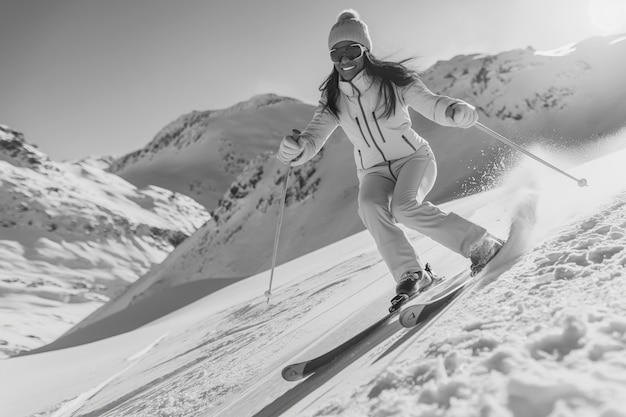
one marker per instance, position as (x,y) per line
(360,83)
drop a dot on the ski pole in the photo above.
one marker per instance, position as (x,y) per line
(283,199)
(582,182)
(268,293)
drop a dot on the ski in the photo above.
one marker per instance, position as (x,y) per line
(300,370)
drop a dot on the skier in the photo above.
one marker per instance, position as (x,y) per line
(396,168)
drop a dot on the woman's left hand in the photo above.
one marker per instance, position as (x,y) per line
(463,115)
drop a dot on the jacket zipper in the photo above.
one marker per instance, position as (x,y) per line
(409,143)
(361,158)
(367,124)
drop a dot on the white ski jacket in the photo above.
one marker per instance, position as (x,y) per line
(376,140)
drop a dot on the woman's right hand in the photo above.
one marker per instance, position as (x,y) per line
(290,148)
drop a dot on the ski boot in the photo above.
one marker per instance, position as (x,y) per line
(411,283)
(484,253)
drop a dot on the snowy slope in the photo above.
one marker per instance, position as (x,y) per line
(72,237)
(236,245)
(546,338)
(556,100)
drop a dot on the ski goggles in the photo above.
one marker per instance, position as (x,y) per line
(354,51)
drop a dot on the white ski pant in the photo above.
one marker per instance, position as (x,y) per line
(393,193)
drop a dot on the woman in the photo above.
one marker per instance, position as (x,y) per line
(369,99)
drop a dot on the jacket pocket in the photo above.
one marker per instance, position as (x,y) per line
(361,159)
(358,123)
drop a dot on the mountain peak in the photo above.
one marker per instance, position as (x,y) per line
(15,150)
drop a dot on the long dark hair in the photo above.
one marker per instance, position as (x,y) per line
(387,73)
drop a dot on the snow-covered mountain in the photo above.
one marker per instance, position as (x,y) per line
(72,237)
(200,154)
(563,100)
(546,338)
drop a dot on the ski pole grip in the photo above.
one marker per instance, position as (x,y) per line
(296,133)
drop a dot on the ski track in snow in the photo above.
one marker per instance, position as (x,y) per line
(174,381)
(68,408)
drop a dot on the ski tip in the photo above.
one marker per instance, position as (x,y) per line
(294,372)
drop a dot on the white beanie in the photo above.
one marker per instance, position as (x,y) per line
(349,27)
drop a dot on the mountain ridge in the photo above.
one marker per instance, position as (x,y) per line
(72,237)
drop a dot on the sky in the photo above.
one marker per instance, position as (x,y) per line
(96,78)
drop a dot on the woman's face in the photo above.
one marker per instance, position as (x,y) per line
(348,65)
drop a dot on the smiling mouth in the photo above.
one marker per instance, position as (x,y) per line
(350,68)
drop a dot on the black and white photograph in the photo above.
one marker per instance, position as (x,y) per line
(295,208)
